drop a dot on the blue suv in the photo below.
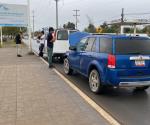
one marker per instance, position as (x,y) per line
(111,60)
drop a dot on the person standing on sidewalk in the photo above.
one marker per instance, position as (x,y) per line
(18,40)
(50,44)
(42,43)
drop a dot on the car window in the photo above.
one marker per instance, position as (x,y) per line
(89,44)
(105,45)
(132,46)
(62,35)
(94,47)
(82,44)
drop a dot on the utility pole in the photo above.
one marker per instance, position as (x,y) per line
(122,21)
(29,28)
(76,16)
(33,22)
(57,14)
(122,16)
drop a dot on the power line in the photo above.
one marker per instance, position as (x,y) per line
(137,13)
(76,16)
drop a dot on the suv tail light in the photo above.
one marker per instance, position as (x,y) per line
(111,61)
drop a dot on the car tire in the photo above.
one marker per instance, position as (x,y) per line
(61,59)
(67,68)
(95,82)
(141,88)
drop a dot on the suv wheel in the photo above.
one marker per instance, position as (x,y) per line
(94,81)
(141,88)
(67,68)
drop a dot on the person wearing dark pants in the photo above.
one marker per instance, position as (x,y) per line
(50,54)
(50,44)
(18,40)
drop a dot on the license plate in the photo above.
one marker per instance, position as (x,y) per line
(139,63)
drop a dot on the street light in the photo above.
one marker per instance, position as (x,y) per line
(56,14)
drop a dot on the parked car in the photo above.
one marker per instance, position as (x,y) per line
(61,44)
(111,60)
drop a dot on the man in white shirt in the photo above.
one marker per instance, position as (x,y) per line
(42,42)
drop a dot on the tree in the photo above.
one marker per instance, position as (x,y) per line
(69,25)
(110,29)
(91,28)
(10,32)
(104,27)
(146,29)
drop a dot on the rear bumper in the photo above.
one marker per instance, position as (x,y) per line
(58,54)
(128,78)
(134,84)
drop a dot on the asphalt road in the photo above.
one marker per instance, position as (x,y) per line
(125,105)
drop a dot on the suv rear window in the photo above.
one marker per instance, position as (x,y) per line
(106,45)
(89,44)
(132,46)
(62,35)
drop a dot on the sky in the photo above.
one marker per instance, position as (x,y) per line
(95,11)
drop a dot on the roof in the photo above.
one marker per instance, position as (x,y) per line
(130,22)
(120,36)
(74,38)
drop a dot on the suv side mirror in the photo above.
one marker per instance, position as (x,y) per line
(74,48)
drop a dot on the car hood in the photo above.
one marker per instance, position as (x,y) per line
(74,38)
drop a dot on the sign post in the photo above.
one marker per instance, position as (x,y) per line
(1,36)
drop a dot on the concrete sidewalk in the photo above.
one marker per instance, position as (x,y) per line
(32,94)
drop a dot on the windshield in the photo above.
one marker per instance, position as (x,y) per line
(62,35)
(132,46)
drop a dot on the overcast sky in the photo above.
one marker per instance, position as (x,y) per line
(97,10)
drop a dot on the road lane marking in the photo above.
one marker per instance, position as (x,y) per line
(98,108)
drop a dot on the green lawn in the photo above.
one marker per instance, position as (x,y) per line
(10,43)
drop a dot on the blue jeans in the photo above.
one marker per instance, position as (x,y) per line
(50,54)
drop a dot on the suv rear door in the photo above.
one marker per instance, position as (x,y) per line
(133,53)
